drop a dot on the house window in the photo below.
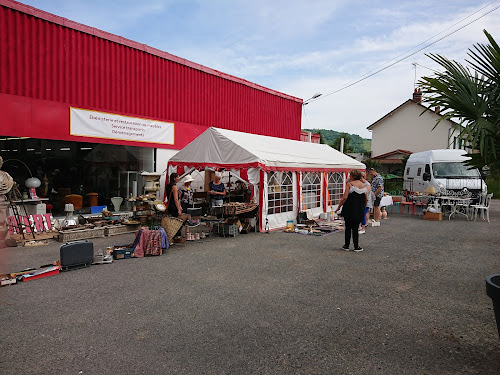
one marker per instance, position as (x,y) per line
(407,171)
(311,189)
(280,192)
(419,171)
(335,187)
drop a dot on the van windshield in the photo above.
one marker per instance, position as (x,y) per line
(442,170)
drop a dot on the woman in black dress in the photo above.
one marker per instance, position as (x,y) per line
(353,205)
(172,196)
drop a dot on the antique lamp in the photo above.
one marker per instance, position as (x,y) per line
(31,182)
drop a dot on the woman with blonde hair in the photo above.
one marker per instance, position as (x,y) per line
(217,190)
(353,205)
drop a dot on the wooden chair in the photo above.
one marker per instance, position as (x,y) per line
(406,202)
(419,204)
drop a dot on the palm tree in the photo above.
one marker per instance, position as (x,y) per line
(369,163)
(470,95)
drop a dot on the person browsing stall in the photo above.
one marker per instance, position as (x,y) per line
(378,192)
(369,203)
(172,196)
(217,190)
(186,193)
(353,205)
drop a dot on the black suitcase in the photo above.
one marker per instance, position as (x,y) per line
(77,254)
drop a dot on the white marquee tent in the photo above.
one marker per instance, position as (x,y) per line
(287,176)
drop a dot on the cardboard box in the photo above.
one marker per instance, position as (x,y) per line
(6,279)
(433,216)
(247,228)
(120,252)
(234,221)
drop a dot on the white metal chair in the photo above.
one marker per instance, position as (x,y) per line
(480,202)
(483,207)
(463,206)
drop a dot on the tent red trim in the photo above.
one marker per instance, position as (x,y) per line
(266,168)
(261,199)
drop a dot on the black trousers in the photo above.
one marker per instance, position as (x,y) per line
(352,226)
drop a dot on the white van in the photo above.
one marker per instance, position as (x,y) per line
(443,170)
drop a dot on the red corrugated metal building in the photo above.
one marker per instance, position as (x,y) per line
(51,66)
(48,63)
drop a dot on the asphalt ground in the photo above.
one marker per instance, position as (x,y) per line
(413,302)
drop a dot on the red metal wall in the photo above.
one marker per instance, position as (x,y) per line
(315,138)
(49,58)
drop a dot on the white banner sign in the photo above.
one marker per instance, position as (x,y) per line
(94,124)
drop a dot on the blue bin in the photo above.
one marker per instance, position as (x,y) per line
(97,209)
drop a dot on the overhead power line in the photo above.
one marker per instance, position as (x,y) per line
(423,66)
(381,69)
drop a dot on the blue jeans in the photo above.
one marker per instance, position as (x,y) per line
(217,202)
(363,222)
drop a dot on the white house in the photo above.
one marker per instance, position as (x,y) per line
(411,127)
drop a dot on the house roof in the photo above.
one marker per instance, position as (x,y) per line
(224,148)
(390,161)
(395,152)
(409,101)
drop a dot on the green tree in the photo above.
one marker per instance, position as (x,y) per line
(404,160)
(347,142)
(321,138)
(471,95)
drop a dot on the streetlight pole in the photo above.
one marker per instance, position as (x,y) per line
(315,96)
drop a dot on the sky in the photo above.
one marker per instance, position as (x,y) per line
(302,48)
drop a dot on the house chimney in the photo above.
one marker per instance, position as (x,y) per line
(417,96)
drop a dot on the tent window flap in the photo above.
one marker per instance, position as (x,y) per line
(280,192)
(311,189)
(335,187)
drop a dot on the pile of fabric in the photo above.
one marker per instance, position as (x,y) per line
(150,242)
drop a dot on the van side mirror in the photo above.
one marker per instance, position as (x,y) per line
(426,176)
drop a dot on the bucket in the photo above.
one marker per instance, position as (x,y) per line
(493,291)
(289,224)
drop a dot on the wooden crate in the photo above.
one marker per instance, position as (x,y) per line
(80,234)
(112,230)
(438,216)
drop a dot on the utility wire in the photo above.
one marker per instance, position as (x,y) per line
(432,37)
(368,75)
(415,78)
(434,70)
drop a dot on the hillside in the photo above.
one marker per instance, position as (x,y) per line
(358,143)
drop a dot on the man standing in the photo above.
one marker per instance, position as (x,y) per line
(378,192)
